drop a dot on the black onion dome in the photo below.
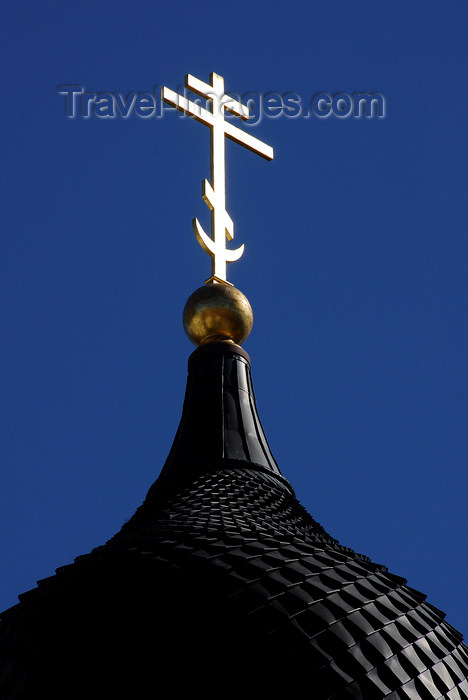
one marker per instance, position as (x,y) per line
(223,586)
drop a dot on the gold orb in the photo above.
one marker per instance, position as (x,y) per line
(217,312)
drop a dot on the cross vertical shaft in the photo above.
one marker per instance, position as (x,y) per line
(218,179)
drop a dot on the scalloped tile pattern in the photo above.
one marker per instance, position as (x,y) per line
(230,590)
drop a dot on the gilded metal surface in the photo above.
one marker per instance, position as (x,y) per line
(217,312)
(214,193)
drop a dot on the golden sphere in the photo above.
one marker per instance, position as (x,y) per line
(217,312)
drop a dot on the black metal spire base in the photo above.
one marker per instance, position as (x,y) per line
(220,426)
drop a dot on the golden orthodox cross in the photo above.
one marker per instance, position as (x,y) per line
(214,193)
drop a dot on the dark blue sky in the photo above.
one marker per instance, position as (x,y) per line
(355,265)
